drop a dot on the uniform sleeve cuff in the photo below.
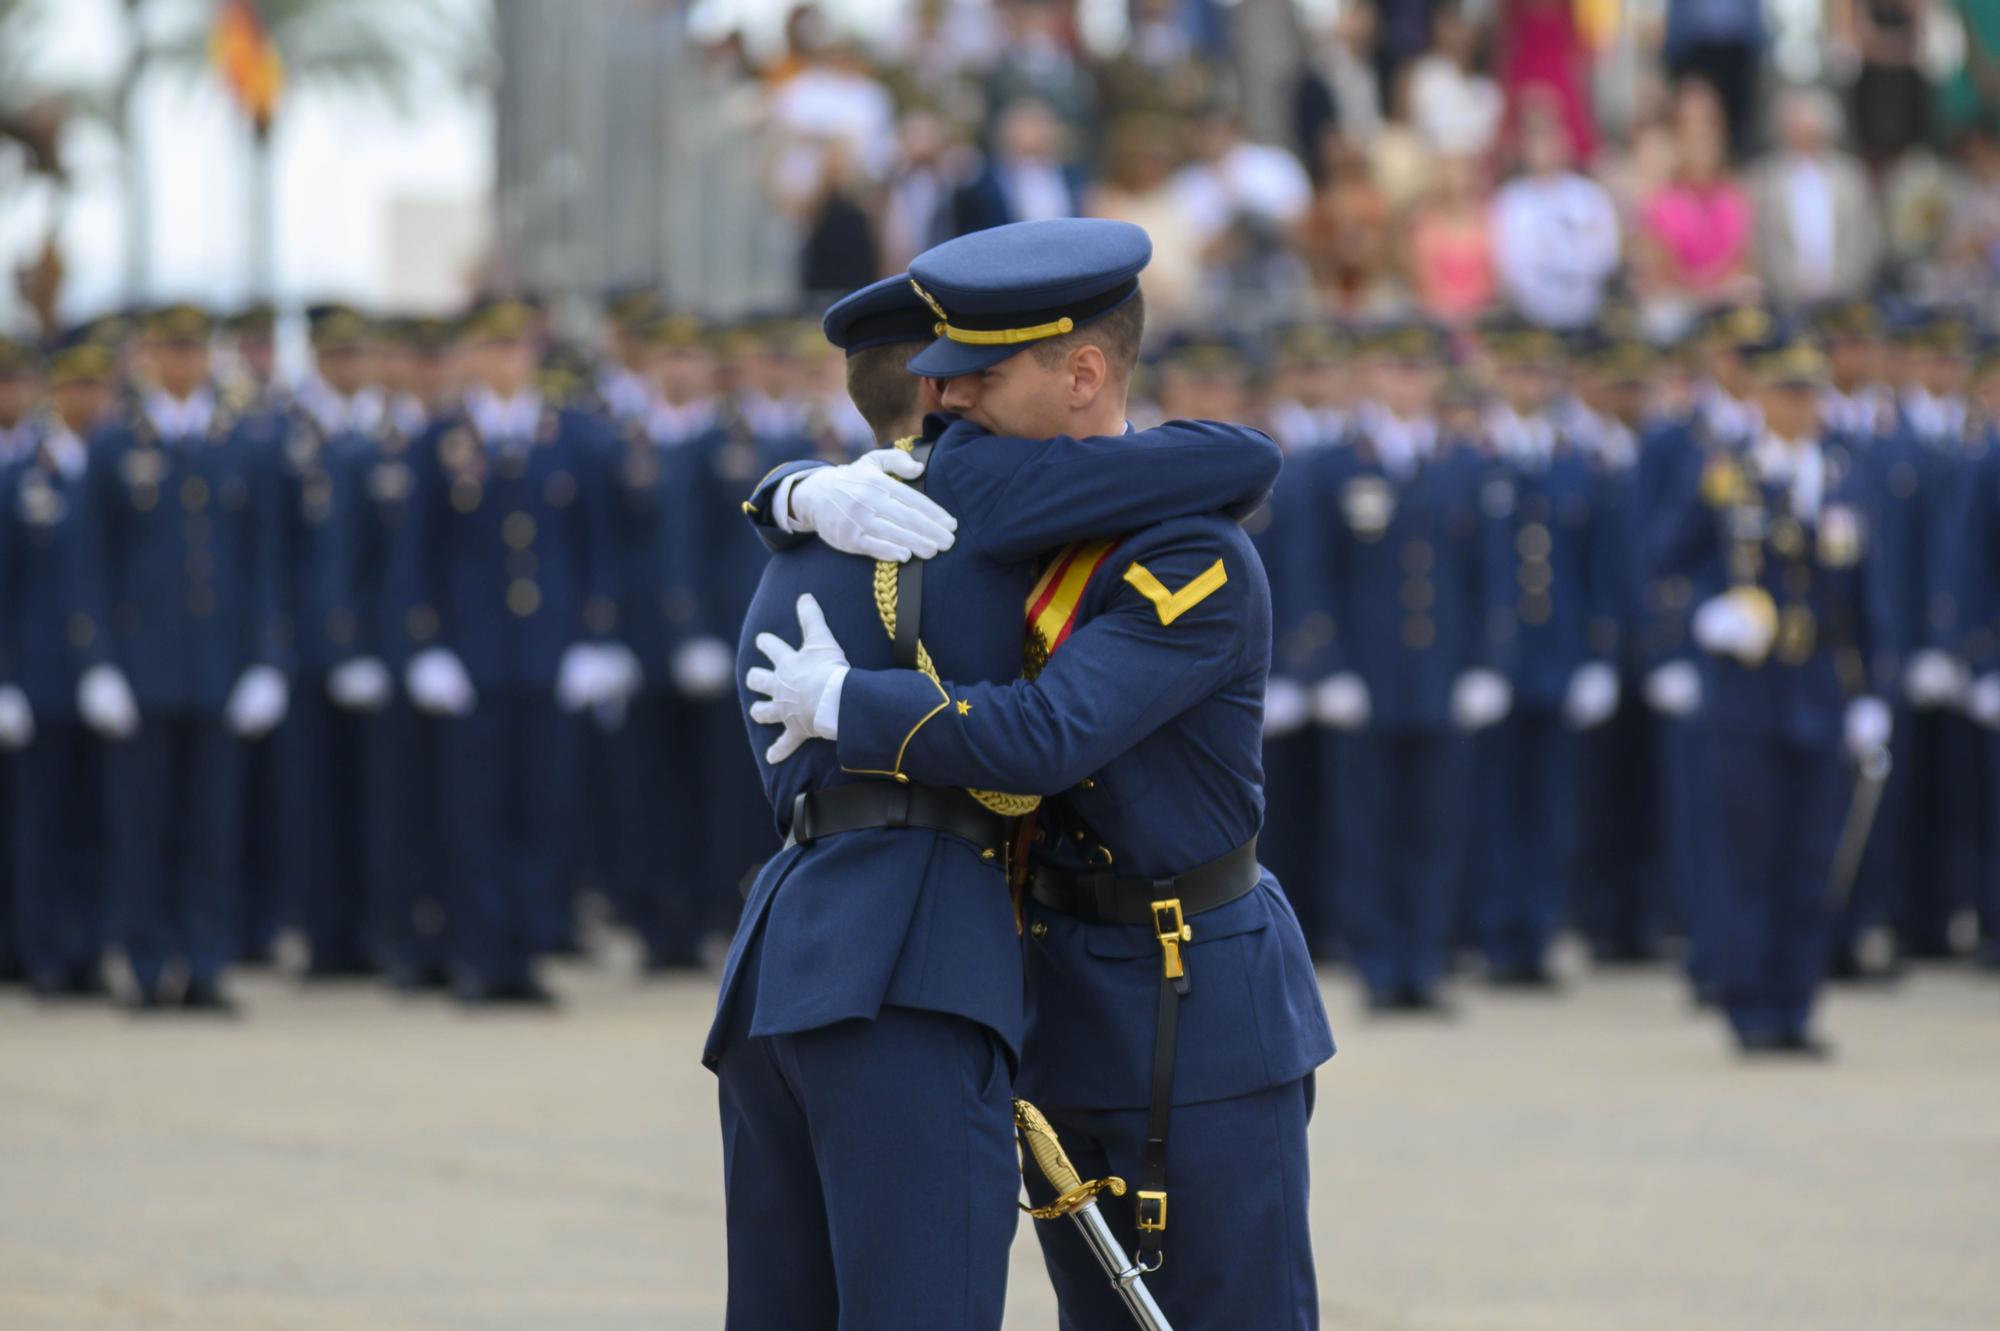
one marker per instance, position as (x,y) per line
(826,716)
(781,505)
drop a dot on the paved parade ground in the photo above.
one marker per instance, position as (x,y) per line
(351,1161)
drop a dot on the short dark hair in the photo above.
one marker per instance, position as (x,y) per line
(882,387)
(1117,335)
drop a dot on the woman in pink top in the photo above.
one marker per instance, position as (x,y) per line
(1450,255)
(1695,230)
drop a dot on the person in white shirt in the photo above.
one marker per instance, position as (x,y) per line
(1816,234)
(1555,232)
(1454,106)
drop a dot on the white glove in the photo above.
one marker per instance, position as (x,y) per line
(704,669)
(579,677)
(360,685)
(17,718)
(860,508)
(1725,626)
(621,671)
(1480,698)
(258,702)
(803,686)
(106,703)
(438,683)
(1935,679)
(1674,689)
(1983,702)
(1868,726)
(1341,702)
(1593,695)
(1286,707)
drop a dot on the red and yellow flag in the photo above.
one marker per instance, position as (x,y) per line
(247,60)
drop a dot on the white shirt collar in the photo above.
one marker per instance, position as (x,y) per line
(334,413)
(669,424)
(181,418)
(66,451)
(1526,440)
(511,420)
(1798,466)
(1401,444)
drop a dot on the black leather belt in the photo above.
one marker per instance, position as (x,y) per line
(1164,905)
(865,804)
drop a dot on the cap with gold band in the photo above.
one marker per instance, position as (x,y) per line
(880,314)
(993,293)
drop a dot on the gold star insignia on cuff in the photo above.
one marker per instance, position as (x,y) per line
(964,707)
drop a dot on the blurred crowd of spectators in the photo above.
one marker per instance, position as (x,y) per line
(1443,156)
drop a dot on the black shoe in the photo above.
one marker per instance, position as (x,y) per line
(524,992)
(667,964)
(206,996)
(1777,1045)
(150,1002)
(1706,997)
(340,970)
(409,979)
(1385,1000)
(58,987)
(1427,1003)
(1530,976)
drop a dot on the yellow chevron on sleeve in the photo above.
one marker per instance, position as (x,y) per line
(1172,605)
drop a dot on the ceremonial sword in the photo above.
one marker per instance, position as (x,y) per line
(1078,1200)
(1872,776)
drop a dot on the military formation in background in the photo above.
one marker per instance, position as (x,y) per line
(1694,650)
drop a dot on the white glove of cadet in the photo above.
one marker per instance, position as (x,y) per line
(580,678)
(621,671)
(258,702)
(1341,702)
(803,686)
(704,669)
(861,508)
(1727,626)
(105,702)
(438,683)
(360,685)
(1593,695)
(1674,689)
(1983,702)
(1935,679)
(1286,707)
(1868,726)
(17,718)
(1480,698)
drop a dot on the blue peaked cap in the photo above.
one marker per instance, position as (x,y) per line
(878,315)
(994,292)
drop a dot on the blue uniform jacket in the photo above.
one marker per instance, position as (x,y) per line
(311,488)
(1148,721)
(175,567)
(1558,593)
(717,556)
(38,549)
(1409,573)
(660,573)
(909,917)
(503,556)
(375,488)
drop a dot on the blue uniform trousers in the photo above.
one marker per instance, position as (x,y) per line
(407,862)
(1885,862)
(511,804)
(1782,805)
(1697,869)
(267,897)
(1621,866)
(732,818)
(1531,837)
(58,863)
(1989,877)
(869,1172)
(1238,1243)
(1944,760)
(1296,795)
(1400,838)
(11,965)
(174,791)
(322,749)
(662,892)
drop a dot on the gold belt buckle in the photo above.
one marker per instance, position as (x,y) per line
(1152,1212)
(1172,931)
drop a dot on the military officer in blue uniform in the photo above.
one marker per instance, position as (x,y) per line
(177,627)
(1560,618)
(506,594)
(1979,608)
(1404,563)
(622,391)
(54,828)
(21,429)
(1790,633)
(906,881)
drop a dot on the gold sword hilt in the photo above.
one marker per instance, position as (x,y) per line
(1072,1191)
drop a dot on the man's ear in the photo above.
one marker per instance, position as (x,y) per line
(1088,372)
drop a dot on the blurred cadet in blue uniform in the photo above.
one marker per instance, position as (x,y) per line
(1403,559)
(505,588)
(321,770)
(177,625)
(621,389)
(250,373)
(1790,631)
(55,794)
(1979,602)
(1306,411)
(909,876)
(21,430)
(1558,612)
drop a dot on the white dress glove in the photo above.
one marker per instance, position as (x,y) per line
(1593,695)
(1725,626)
(17,718)
(1983,701)
(438,683)
(580,677)
(861,508)
(1868,726)
(620,669)
(704,669)
(360,685)
(1480,698)
(1287,707)
(1341,702)
(802,687)
(1674,689)
(258,702)
(105,701)
(1935,679)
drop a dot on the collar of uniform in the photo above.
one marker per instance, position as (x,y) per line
(1523,439)
(65,452)
(627,396)
(669,424)
(335,414)
(17,441)
(511,420)
(1931,416)
(767,417)
(1798,466)
(1728,418)
(1402,444)
(1299,427)
(181,418)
